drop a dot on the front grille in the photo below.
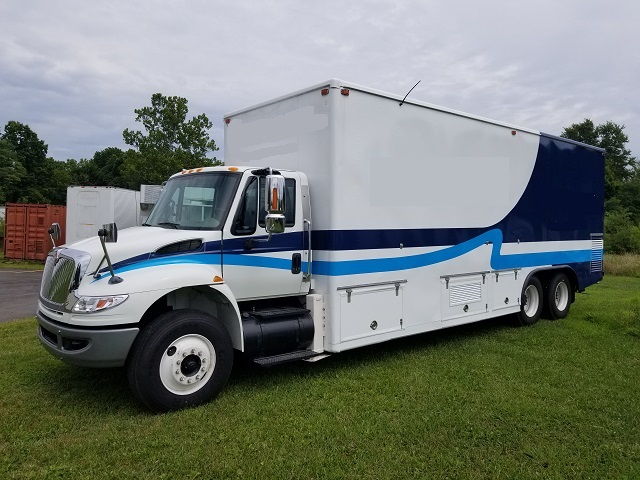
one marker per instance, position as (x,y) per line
(56,278)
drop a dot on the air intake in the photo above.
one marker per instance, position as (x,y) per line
(181,247)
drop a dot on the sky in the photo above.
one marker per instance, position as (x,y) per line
(75,70)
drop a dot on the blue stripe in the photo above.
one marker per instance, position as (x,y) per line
(378,265)
(498,261)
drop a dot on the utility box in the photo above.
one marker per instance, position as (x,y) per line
(88,208)
(27,230)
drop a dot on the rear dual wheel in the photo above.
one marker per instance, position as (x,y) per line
(558,298)
(530,302)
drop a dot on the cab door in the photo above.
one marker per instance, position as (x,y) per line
(253,265)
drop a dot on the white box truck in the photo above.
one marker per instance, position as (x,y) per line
(88,208)
(344,217)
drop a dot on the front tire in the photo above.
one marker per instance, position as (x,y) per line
(530,303)
(182,359)
(559,296)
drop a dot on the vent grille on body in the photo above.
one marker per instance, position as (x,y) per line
(181,247)
(597,249)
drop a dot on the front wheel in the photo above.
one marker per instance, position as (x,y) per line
(182,359)
(531,303)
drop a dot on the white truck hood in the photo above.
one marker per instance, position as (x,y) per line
(140,244)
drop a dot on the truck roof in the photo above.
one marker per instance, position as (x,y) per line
(219,168)
(339,84)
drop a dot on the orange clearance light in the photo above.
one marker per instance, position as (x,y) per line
(183,171)
(233,169)
(324,91)
(274,196)
(199,169)
(227,121)
(345,92)
(217,279)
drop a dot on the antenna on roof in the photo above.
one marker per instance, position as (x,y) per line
(405,97)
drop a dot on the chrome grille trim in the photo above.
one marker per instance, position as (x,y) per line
(63,270)
(57,277)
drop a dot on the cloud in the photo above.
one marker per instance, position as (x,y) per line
(75,70)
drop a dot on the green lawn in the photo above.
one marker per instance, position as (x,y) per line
(557,400)
(20,264)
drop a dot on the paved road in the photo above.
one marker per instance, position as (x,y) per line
(18,293)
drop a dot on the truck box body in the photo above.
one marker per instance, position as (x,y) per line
(416,196)
(88,208)
(26,229)
(343,217)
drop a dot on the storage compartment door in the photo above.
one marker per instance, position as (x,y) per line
(464,295)
(506,289)
(367,311)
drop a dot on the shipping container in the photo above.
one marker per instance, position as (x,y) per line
(27,230)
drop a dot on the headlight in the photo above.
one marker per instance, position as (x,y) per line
(95,304)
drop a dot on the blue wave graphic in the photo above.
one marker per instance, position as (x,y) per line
(378,265)
(498,261)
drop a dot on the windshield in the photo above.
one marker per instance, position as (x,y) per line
(199,201)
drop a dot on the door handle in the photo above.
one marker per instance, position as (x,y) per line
(296,263)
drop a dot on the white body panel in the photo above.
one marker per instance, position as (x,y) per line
(374,164)
(88,208)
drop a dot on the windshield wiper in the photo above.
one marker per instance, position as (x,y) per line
(169,224)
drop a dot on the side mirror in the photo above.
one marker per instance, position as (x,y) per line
(109,232)
(54,231)
(275,204)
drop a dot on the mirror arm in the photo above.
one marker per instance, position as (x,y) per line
(102,233)
(53,242)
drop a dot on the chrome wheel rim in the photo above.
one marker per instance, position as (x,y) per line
(186,364)
(562,296)
(531,301)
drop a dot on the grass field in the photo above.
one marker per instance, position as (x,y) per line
(21,264)
(557,400)
(627,265)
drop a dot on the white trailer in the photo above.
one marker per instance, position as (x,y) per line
(88,208)
(344,217)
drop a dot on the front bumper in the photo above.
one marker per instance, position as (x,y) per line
(85,347)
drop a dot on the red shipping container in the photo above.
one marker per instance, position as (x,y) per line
(27,230)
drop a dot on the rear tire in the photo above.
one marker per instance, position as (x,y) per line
(530,303)
(181,359)
(559,297)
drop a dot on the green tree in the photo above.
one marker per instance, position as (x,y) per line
(12,173)
(619,164)
(31,152)
(629,197)
(621,234)
(108,164)
(170,142)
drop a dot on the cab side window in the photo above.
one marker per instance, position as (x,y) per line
(244,222)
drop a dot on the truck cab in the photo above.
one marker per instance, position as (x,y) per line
(225,252)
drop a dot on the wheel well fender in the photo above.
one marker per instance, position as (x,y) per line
(546,274)
(214,300)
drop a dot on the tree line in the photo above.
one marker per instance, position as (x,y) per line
(170,142)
